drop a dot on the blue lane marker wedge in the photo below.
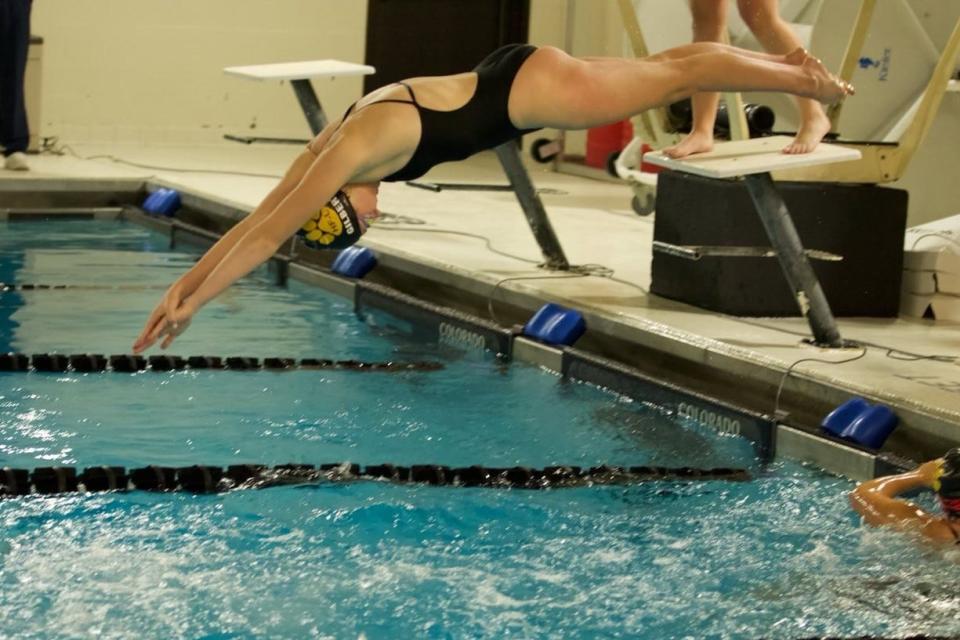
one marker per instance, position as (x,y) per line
(872,427)
(555,325)
(354,262)
(162,202)
(857,421)
(841,417)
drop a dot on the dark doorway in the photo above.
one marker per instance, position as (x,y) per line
(407,38)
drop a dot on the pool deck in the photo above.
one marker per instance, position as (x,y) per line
(596,226)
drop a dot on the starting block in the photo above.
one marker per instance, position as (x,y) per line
(754,160)
(755,156)
(299,74)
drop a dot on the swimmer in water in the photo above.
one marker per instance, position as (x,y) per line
(878,502)
(398,132)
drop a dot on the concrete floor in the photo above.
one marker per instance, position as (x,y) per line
(595,224)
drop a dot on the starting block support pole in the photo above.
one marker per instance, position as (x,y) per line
(532,207)
(307,97)
(793,259)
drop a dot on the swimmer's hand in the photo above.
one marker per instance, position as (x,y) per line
(928,472)
(169,318)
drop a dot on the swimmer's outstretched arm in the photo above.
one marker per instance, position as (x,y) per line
(257,238)
(876,500)
(196,275)
(186,284)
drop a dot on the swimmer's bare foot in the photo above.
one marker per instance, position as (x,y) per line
(695,142)
(828,88)
(812,130)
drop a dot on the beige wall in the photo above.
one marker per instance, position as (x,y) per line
(548,22)
(151,70)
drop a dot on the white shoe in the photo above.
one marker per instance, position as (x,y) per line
(16,162)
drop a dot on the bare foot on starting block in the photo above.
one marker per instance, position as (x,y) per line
(694,142)
(812,130)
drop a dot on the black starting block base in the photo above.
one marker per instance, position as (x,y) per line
(864,224)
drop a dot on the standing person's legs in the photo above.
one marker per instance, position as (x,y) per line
(556,90)
(14,43)
(776,36)
(709,25)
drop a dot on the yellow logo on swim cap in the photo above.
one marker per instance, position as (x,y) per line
(324,226)
(936,480)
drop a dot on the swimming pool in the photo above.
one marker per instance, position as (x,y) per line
(781,556)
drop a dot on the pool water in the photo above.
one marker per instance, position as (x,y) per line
(781,556)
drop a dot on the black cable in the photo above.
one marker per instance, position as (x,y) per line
(575,271)
(786,374)
(910,356)
(890,351)
(67,150)
(493,292)
(945,235)
(386,218)
(487,241)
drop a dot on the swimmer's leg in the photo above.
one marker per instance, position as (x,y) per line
(697,48)
(556,90)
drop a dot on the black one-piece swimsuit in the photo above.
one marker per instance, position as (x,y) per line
(482,123)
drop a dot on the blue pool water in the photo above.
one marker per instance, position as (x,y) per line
(781,556)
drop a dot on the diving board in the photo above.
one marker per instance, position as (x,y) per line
(299,75)
(754,160)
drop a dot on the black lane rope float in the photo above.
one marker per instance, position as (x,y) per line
(95,363)
(6,288)
(213,479)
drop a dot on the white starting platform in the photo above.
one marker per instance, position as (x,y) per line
(753,160)
(746,157)
(299,75)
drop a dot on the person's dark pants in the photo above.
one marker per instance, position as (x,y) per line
(14,42)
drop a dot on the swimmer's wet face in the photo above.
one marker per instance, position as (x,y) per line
(337,224)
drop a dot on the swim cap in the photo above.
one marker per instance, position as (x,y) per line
(947,484)
(334,226)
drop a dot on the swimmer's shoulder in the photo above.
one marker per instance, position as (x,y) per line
(381,133)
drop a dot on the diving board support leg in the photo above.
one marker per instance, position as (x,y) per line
(532,207)
(316,118)
(800,276)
